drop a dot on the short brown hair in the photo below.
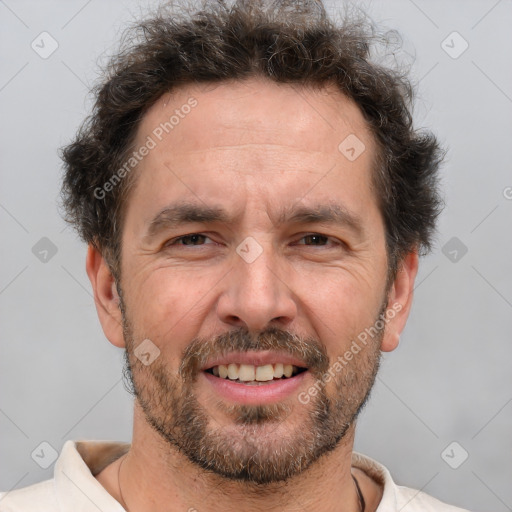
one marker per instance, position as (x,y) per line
(286,41)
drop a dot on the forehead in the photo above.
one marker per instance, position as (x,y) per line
(254,111)
(253,141)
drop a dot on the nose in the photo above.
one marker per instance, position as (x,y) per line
(257,295)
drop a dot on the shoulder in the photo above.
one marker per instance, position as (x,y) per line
(396,497)
(73,486)
(411,500)
(38,497)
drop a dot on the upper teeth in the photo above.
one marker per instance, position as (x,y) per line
(249,372)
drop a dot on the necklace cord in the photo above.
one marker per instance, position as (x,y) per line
(123,504)
(362,503)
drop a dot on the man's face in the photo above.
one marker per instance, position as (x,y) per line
(270,251)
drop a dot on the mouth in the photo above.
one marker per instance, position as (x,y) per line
(252,375)
(255,377)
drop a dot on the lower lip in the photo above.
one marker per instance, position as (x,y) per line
(272,392)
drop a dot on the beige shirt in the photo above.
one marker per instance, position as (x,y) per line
(75,488)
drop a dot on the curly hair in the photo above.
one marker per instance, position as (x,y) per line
(286,41)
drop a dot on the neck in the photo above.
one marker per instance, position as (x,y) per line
(154,475)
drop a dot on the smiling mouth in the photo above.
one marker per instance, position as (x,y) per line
(249,374)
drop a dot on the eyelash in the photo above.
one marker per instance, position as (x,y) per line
(175,241)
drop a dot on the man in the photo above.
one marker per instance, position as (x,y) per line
(255,199)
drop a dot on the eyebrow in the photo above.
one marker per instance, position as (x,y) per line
(175,215)
(333,213)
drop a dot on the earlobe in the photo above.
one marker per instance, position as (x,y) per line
(106,297)
(400,301)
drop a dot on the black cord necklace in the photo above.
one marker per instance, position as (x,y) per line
(362,504)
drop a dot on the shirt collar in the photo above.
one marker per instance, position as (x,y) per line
(76,487)
(382,476)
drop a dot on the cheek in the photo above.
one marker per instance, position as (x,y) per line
(168,308)
(341,309)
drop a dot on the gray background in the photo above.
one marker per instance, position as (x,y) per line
(448,381)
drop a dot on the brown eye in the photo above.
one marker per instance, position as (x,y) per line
(315,240)
(192,239)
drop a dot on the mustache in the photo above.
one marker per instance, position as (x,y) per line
(201,350)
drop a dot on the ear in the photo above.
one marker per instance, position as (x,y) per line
(105,296)
(399,301)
